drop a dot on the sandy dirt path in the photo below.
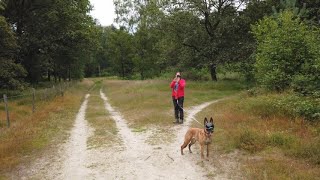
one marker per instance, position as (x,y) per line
(75,161)
(133,159)
(139,160)
(68,160)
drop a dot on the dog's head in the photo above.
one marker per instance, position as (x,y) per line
(209,125)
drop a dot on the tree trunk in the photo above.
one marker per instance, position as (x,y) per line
(122,68)
(49,75)
(55,76)
(213,72)
(142,75)
(69,73)
(99,70)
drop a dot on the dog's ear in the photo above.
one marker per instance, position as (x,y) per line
(211,120)
(205,121)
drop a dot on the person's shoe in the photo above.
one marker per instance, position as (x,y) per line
(181,121)
(176,121)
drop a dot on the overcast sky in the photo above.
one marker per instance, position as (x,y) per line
(103,11)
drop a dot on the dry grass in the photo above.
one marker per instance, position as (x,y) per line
(148,104)
(275,165)
(30,133)
(140,101)
(274,147)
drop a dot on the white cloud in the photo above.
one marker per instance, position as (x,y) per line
(103,11)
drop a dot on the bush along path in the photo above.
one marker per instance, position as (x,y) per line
(133,159)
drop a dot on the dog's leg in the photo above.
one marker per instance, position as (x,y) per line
(193,140)
(190,148)
(207,150)
(202,150)
(184,145)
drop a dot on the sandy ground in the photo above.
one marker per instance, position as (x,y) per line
(134,159)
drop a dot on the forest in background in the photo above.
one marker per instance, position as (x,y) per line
(274,44)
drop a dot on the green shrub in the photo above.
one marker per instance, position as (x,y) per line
(283,105)
(288,54)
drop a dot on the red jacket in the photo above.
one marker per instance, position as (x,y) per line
(180,92)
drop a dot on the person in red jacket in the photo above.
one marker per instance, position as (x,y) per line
(177,85)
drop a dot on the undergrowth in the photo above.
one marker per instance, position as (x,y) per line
(278,133)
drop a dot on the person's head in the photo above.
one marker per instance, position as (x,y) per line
(178,74)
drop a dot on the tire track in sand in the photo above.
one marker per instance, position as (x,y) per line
(134,160)
(75,163)
(139,160)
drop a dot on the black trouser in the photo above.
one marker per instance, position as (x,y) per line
(178,107)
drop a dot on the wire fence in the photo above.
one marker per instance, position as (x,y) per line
(32,99)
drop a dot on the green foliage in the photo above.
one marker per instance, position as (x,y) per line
(290,5)
(146,48)
(284,105)
(287,54)
(58,39)
(196,74)
(11,73)
(120,52)
(55,37)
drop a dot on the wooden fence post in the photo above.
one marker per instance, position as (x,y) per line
(54,90)
(46,94)
(61,90)
(6,108)
(33,100)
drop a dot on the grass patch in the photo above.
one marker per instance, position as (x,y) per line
(278,167)
(275,146)
(32,132)
(252,141)
(105,131)
(307,150)
(141,129)
(148,103)
(280,139)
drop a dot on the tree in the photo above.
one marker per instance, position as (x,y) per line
(120,52)
(313,10)
(146,39)
(287,54)
(212,31)
(11,74)
(55,37)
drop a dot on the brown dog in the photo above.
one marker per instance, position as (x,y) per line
(203,136)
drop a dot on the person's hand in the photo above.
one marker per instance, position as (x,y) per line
(177,79)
